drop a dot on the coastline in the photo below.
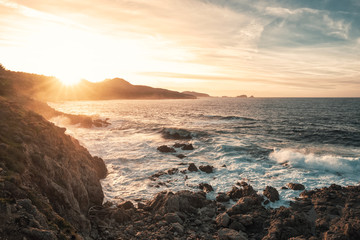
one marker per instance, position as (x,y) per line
(328,213)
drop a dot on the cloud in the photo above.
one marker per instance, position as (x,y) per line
(289,43)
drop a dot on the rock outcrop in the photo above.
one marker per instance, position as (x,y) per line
(47,178)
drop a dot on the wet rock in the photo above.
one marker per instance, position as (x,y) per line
(231,234)
(283,187)
(271,193)
(222,197)
(188,147)
(206,187)
(172,171)
(166,149)
(181,156)
(207,168)
(192,167)
(179,145)
(246,190)
(223,220)
(177,134)
(296,186)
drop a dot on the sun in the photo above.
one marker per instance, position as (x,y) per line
(69,80)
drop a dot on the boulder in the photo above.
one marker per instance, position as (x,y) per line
(206,187)
(192,167)
(188,147)
(296,186)
(271,193)
(183,201)
(166,149)
(207,168)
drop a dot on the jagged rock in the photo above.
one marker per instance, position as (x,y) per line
(192,167)
(245,190)
(296,186)
(222,197)
(271,193)
(207,168)
(166,149)
(173,218)
(206,187)
(188,147)
(223,220)
(35,233)
(231,234)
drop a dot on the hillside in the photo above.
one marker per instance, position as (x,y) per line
(46,88)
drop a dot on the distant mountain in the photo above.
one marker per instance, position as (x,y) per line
(51,89)
(196,94)
(242,96)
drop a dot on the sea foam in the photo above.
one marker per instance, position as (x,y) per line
(330,163)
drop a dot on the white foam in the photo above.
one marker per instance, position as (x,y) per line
(331,163)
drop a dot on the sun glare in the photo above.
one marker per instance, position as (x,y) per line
(69,80)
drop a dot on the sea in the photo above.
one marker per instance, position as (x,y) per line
(262,141)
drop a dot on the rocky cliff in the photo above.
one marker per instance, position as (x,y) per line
(48,180)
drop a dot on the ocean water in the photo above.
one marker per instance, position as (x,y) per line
(263,141)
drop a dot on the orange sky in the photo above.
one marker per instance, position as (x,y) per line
(267,49)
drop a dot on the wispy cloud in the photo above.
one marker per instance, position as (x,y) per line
(302,44)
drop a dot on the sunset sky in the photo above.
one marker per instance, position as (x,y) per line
(269,48)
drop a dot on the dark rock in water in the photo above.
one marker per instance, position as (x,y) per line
(181,156)
(206,187)
(165,149)
(223,166)
(222,197)
(283,187)
(126,205)
(192,167)
(207,168)
(177,134)
(271,193)
(296,186)
(172,171)
(188,147)
(179,145)
(245,190)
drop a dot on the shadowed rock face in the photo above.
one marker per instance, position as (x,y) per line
(46,162)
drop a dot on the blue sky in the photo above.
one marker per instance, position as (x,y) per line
(222,47)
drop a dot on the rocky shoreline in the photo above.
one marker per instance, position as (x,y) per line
(50,189)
